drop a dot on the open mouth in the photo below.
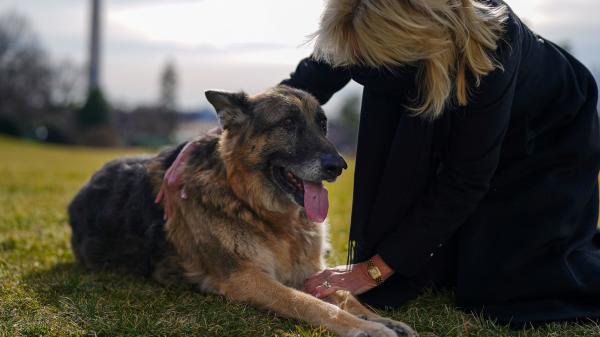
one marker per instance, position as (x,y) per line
(290,184)
(313,196)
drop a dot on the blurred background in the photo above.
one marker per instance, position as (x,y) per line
(133,72)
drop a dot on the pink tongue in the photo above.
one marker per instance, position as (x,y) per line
(316,203)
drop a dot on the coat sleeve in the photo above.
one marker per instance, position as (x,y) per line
(473,150)
(318,78)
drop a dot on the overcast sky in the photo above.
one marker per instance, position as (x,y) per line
(235,44)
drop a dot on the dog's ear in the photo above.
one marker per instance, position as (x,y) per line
(232,108)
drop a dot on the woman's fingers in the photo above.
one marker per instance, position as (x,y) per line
(313,281)
(323,290)
(351,281)
(325,273)
(338,278)
(334,278)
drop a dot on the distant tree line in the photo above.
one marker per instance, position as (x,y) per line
(47,101)
(33,91)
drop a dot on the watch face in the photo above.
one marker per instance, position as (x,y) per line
(374,272)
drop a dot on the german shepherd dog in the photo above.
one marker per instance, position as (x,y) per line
(250,228)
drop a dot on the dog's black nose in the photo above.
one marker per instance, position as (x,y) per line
(333,164)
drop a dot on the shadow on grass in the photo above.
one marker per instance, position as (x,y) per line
(107,303)
(79,302)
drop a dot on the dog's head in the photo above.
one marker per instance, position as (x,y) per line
(279,137)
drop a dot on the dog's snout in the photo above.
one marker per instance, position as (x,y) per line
(333,164)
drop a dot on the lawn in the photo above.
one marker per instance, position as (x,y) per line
(43,293)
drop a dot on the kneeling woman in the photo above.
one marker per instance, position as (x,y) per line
(477,160)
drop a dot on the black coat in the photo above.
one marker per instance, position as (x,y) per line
(498,199)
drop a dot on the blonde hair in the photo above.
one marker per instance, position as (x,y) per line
(446,38)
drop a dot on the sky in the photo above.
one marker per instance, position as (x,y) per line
(235,44)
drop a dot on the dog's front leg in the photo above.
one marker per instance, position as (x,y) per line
(346,301)
(256,287)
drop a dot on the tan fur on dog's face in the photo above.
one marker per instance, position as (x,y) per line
(281,129)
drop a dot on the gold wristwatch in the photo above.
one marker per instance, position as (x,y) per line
(374,272)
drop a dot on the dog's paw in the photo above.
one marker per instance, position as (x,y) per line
(401,329)
(371,330)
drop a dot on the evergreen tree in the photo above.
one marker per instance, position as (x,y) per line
(168,87)
(95,112)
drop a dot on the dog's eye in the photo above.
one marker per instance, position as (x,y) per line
(289,124)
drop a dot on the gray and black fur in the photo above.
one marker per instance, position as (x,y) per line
(115,222)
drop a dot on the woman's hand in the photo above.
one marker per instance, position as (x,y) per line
(172,187)
(326,282)
(354,279)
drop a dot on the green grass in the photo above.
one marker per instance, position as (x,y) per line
(43,293)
